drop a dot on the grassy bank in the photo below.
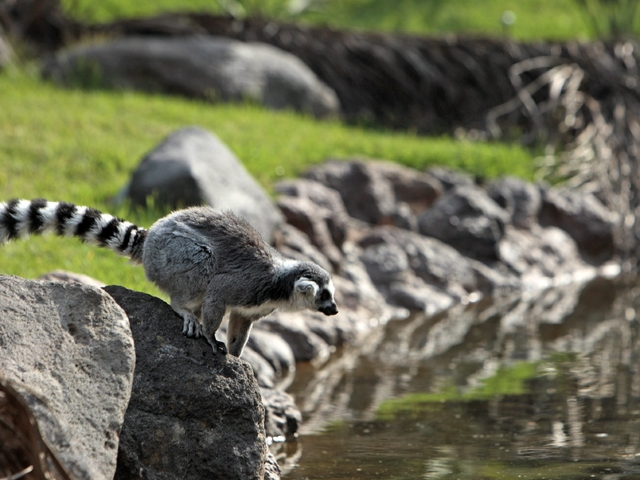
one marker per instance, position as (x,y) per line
(534,19)
(81,146)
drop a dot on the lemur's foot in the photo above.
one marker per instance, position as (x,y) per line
(218,347)
(191,327)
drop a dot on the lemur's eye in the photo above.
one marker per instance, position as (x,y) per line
(325,295)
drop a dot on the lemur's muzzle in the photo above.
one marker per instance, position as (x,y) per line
(330,309)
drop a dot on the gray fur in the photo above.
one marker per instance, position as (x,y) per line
(208,262)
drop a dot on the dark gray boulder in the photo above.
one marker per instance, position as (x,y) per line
(67,348)
(361,304)
(450,179)
(271,468)
(418,295)
(386,263)
(468,220)
(417,189)
(282,416)
(292,328)
(313,220)
(583,217)
(366,193)
(192,414)
(540,254)
(521,199)
(292,243)
(274,350)
(211,68)
(495,279)
(416,272)
(263,370)
(324,197)
(429,259)
(194,167)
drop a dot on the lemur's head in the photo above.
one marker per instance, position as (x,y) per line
(314,290)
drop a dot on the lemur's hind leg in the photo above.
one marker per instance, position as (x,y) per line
(238,333)
(213,310)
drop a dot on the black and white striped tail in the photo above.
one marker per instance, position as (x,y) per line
(20,218)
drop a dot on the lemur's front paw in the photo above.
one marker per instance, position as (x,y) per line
(222,348)
(191,328)
(218,347)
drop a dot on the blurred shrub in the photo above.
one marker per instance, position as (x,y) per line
(610,18)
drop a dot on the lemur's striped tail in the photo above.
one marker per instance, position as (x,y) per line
(20,218)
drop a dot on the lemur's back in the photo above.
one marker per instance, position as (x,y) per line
(200,242)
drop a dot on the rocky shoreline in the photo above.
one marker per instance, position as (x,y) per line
(396,241)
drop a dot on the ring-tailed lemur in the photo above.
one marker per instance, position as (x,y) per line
(207,261)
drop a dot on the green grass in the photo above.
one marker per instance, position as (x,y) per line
(535,19)
(82,146)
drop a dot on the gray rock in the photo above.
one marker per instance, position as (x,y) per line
(292,243)
(193,167)
(418,295)
(403,217)
(274,350)
(583,217)
(192,414)
(356,294)
(282,417)
(333,330)
(322,196)
(312,220)
(418,189)
(68,350)
(495,279)
(540,254)
(64,276)
(366,193)
(385,263)
(429,259)
(468,220)
(206,67)
(450,179)
(291,326)
(262,369)
(406,268)
(271,468)
(522,200)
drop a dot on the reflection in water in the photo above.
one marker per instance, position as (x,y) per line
(544,385)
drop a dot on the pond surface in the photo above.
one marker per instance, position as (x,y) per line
(540,386)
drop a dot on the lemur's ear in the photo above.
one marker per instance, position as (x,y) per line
(306,286)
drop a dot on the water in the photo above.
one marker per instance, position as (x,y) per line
(538,386)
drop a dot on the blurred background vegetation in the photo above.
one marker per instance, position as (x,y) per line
(523,19)
(82,145)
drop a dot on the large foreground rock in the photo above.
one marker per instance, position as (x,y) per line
(192,414)
(68,350)
(193,167)
(202,67)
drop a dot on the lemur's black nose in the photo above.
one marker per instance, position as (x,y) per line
(331,309)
